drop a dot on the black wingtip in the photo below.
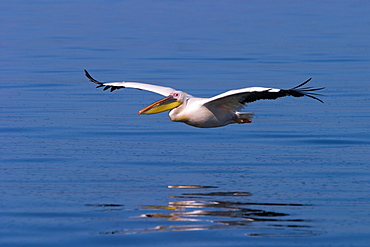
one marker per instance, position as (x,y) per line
(313,97)
(300,85)
(102,84)
(307,91)
(87,74)
(91,78)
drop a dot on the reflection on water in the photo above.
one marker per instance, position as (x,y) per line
(106,207)
(189,187)
(103,205)
(221,210)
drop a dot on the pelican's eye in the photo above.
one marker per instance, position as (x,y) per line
(175,95)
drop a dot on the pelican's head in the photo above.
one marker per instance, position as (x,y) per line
(172,101)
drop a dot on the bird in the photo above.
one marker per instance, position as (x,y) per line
(217,111)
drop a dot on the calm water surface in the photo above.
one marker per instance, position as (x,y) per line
(79,167)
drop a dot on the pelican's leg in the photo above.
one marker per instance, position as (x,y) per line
(243,117)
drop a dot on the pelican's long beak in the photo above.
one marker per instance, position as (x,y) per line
(162,105)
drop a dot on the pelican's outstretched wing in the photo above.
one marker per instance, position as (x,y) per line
(236,99)
(165,91)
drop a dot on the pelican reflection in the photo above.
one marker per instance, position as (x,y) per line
(219,210)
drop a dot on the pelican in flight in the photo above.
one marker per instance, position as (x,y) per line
(217,111)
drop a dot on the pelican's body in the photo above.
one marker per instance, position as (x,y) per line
(212,112)
(194,112)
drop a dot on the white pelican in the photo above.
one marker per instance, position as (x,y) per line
(217,111)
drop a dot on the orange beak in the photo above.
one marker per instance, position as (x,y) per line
(162,105)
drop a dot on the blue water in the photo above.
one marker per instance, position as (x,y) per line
(79,167)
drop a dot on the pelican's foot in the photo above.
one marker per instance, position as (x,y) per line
(242,120)
(243,117)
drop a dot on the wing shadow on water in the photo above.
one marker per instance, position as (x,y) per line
(222,210)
